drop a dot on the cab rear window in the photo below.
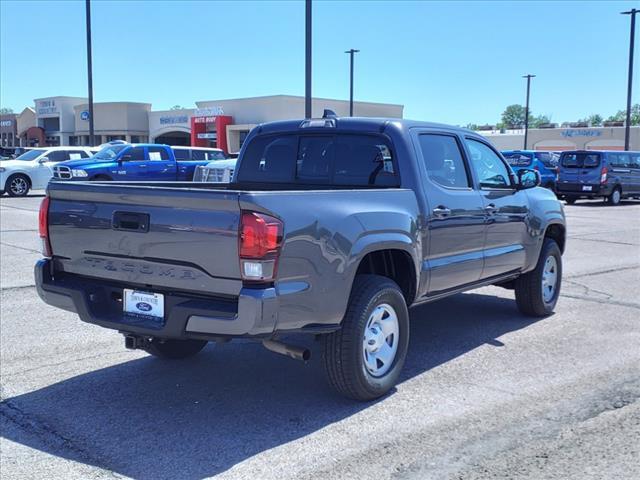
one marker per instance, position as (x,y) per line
(338,159)
(580,160)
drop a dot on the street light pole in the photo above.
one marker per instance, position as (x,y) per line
(351,52)
(89,72)
(526,109)
(627,127)
(307,61)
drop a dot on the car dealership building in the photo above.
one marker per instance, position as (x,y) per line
(215,123)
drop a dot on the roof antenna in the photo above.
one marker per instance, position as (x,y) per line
(329,114)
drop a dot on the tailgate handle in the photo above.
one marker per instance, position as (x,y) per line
(135,222)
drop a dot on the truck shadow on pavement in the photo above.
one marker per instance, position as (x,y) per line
(150,419)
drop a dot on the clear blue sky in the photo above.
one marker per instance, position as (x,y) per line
(453,62)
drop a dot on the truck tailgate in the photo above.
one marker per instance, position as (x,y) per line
(154,236)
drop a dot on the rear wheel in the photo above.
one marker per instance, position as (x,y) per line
(364,358)
(537,291)
(615,197)
(18,185)
(174,349)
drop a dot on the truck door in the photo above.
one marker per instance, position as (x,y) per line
(161,166)
(506,210)
(456,219)
(132,165)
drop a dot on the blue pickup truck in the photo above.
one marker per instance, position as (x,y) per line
(131,162)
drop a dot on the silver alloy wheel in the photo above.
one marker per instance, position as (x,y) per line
(19,186)
(615,196)
(549,278)
(380,341)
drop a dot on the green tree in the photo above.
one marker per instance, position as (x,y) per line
(513,116)
(176,107)
(595,120)
(536,121)
(5,110)
(621,115)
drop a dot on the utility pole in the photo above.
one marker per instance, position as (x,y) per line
(307,61)
(526,109)
(627,128)
(89,73)
(351,52)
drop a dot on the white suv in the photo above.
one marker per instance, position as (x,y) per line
(34,168)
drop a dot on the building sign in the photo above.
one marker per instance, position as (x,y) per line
(172,120)
(204,119)
(211,136)
(47,107)
(581,133)
(6,123)
(208,112)
(84,115)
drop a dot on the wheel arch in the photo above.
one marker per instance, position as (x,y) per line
(20,172)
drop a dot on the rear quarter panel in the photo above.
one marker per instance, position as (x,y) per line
(326,235)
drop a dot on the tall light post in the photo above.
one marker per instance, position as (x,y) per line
(526,109)
(632,36)
(351,53)
(307,61)
(89,72)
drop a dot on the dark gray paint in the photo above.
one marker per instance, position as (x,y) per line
(193,235)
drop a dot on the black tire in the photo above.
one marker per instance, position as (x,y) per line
(173,349)
(615,197)
(570,200)
(343,355)
(529,286)
(18,185)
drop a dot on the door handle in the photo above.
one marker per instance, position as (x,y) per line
(490,209)
(142,166)
(441,211)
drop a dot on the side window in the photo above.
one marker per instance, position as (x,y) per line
(77,154)
(181,153)
(269,159)
(443,160)
(198,155)
(158,153)
(215,155)
(58,156)
(135,154)
(489,168)
(634,160)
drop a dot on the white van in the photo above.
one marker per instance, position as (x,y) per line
(34,168)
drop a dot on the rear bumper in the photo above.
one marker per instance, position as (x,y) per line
(252,313)
(576,190)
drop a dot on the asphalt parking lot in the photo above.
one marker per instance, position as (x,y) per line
(486,392)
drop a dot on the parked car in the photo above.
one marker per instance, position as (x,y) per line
(332,227)
(7,153)
(612,175)
(34,168)
(129,162)
(218,171)
(544,162)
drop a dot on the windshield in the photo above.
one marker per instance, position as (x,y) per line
(107,153)
(580,160)
(31,155)
(518,159)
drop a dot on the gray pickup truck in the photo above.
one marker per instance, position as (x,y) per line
(332,227)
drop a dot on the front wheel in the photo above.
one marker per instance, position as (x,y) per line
(18,185)
(364,358)
(173,349)
(570,200)
(537,291)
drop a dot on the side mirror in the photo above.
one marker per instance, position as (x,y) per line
(43,159)
(125,158)
(528,178)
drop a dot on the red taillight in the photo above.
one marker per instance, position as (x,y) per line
(43,227)
(260,240)
(603,175)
